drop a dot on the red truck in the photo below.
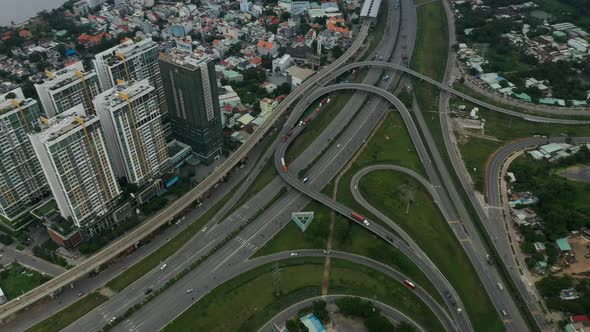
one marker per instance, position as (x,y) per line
(357,216)
(285,169)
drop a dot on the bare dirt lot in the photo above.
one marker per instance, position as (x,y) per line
(582,263)
(580,173)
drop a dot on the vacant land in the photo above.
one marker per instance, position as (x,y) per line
(580,173)
(17,280)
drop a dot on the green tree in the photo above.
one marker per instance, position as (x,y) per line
(336,51)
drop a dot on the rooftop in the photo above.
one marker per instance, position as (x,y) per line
(185,59)
(127,49)
(118,94)
(563,244)
(63,124)
(65,76)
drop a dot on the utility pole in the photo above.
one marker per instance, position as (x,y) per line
(276,276)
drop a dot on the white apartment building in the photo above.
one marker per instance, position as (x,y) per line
(132,61)
(68,87)
(132,120)
(22,183)
(73,154)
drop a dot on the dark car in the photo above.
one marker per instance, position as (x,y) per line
(147,291)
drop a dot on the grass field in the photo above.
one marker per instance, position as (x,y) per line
(68,315)
(475,152)
(425,224)
(18,280)
(154,259)
(349,237)
(429,58)
(251,298)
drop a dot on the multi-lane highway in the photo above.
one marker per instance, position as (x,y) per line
(469,240)
(111,309)
(169,213)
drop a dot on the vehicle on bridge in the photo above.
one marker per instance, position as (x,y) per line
(285,169)
(409,284)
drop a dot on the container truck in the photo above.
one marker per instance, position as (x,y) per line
(357,216)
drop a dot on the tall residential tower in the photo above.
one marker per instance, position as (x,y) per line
(22,183)
(132,61)
(190,87)
(68,87)
(132,120)
(73,154)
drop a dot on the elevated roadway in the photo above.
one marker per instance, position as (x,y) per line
(470,241)
(447,88)
(232,253)
(166,215)
(410,249)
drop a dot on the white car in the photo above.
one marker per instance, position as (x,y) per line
(204,229)
(163,266)
(356,187)
(188,291)
(327,252)
(293,254)
(366,223)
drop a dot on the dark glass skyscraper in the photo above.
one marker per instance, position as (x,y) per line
(190,88)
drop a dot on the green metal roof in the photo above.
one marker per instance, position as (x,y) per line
(563,244)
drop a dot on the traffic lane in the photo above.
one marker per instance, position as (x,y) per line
(390,312)
(411,243)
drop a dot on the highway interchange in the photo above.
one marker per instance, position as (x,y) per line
(338,143)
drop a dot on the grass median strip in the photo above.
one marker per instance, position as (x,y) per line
(70,314)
